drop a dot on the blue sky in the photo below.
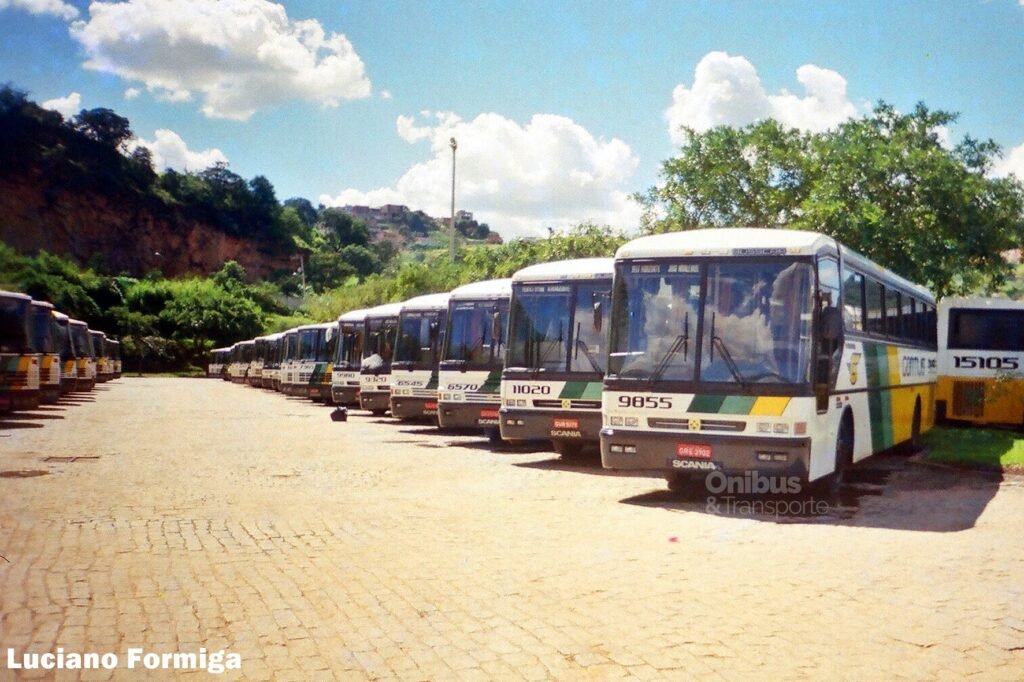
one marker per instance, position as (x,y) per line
(561,110)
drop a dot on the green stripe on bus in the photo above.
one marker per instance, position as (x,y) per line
(706,403)
(585,390)
(737,404)
(493,382)
(876,361)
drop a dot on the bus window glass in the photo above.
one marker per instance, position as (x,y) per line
(757,323)
(380,339)
(873,305)
(909,318)
(988,330)
(417,338)
(540,327)
(853,301)
(588,345)
(655,336)
(471,325)
(893,324)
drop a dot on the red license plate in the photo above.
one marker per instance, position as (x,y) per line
(566,424)
(488,414)
(691,451)
(430,406)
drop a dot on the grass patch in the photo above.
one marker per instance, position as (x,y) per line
(993,449)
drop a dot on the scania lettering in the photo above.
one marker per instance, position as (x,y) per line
(769,350)
(380,333)
(472,356)
(414,371)
(556,357)
(981,358)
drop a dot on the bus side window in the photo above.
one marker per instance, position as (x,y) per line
(893,326)
(853,301)
(873,305)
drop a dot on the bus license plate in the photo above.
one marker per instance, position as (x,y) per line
(692,451)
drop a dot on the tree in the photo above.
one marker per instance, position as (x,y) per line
(304,210)
(882,184)
(342,228)
(104,126)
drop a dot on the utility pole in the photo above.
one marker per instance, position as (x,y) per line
(451,236)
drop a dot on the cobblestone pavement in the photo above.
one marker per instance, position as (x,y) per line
(205,514)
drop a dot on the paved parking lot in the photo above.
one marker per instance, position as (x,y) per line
(176,514)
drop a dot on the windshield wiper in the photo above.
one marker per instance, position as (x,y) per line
(580,343)
(681,342)
(726,356)
(547,351)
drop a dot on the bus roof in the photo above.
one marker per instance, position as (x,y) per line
(60,317)
(42,304)
(246,343)
(991,302)
(486,290)
(14,294)
(386,310)
(78,323)
(579,268)
(716,242)
(354,315)
(725,241)
(427,302)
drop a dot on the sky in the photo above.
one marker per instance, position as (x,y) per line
(561,110)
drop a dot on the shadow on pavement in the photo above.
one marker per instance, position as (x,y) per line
(585,463)
(885,491)
(12,423)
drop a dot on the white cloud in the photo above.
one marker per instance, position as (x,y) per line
(386,94)
(66,106)
(235,56)
(170,151)
(132,93)
(520,179)
(54,7)
(726,90)
(1012,162)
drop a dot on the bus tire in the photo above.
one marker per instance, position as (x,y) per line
(844,450)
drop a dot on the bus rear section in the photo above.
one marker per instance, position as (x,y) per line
(348,355)
(552,381)
(981,361)
(469,374)
(756,350)
(380,333)
(414,371)
(19,365)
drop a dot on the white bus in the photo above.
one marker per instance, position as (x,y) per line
(254,377)
(981,361)
(85,354)
(241,357)
(380,331)
(288,369)
(19,365)
(319,389)
(418,350)
(348,355)
(271,353)
(66,347)
(218,359)
(300,370)
(774,351)
(557,343)
(472,356)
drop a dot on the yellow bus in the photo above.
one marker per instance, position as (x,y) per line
(981,361)
(19,365)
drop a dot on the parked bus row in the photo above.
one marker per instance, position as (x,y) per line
(732,349)
(44,354)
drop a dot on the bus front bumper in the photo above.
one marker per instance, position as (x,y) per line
(518,424)
(375,401)
(468,415)
(409,407)
(694,454)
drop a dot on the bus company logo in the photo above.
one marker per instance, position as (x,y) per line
(852,365)
(694,465)
(566,404)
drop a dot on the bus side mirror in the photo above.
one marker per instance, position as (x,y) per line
(496,327)
(598,316)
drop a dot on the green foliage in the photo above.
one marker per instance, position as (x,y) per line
(882,184)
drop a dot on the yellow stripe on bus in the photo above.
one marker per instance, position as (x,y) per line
(769,406)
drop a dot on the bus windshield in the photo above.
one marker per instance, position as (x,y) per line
(380,342)
(83,341)
(419,338)
(13,325)
(548,332)
(472,324)
(42,336)
(750,322)
(324,348)
(349,347)
(986,329)
(307,344)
